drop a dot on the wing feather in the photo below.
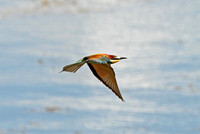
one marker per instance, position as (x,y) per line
(106,75)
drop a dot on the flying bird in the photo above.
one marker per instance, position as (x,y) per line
(100,65)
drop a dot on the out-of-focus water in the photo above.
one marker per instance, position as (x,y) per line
(160,80)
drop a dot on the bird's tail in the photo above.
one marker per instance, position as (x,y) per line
(73,67)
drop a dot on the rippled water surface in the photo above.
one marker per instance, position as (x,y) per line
(160,80)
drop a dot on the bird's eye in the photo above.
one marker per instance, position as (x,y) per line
(116,58)
(113,58)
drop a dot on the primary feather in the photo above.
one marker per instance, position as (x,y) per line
(106,75)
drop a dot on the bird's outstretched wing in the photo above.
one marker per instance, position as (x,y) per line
(73,67)
(105,74)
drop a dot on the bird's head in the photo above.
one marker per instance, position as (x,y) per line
(116,59)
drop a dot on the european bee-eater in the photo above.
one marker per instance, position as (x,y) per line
(99,64)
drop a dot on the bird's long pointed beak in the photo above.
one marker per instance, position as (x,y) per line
(123,58)
(118,59)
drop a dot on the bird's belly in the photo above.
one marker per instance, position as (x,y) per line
(98,62)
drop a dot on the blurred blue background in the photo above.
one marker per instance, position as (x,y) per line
(160,80)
